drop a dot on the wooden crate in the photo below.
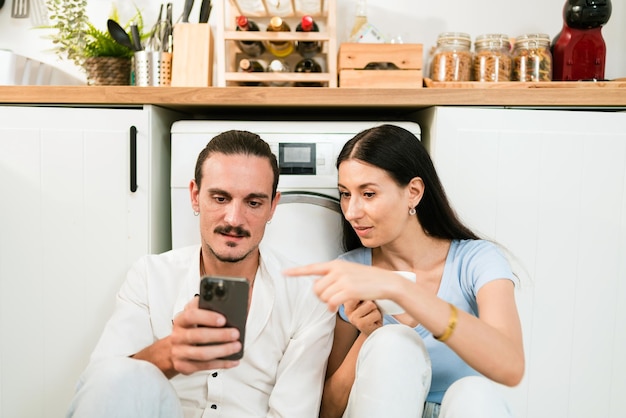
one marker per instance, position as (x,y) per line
(354,57)
(228,54)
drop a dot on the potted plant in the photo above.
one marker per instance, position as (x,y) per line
(75,38)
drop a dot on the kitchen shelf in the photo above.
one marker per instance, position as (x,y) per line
(202,99)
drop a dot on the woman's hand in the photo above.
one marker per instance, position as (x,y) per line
(343,281)
(364,315)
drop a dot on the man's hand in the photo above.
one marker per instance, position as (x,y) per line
(199,340)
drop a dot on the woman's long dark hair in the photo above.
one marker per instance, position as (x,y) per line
(403,157)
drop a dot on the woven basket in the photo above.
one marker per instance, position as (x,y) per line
(108,71)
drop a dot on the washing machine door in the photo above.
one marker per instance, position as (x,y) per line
(306,227)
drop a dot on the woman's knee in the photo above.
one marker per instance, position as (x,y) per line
(393,374)
(396,350)
(474,396)
(394,338)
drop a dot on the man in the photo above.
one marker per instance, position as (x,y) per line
(157,331)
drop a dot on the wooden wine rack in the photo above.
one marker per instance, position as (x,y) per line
(228,54)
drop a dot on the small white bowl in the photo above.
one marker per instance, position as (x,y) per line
(389,307)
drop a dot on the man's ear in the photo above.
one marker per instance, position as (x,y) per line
(194,192)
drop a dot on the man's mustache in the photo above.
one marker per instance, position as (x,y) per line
(230,230)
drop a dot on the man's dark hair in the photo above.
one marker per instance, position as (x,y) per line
(238,142)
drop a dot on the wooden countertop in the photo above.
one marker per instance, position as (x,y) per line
(563,94)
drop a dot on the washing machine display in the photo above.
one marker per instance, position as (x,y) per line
(297,158)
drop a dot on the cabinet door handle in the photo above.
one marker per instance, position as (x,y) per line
(133,159)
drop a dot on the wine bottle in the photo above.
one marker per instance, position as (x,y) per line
(252,48)
(278,66)
(360,19)
(308,65)
(279,49)
(251,66)
(308,49)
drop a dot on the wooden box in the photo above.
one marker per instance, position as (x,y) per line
(355,57)
(192,58)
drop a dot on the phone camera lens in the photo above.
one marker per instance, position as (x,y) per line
(207,293)
(220,290)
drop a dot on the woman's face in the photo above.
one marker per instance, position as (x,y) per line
(374,204)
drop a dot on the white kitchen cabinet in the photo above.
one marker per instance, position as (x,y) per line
(70,226)
(550,185)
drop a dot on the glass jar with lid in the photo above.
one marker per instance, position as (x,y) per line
(492,58)
(452,58)
(532,60)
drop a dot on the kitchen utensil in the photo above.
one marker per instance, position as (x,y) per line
(161,31)
(160,13)
(119,34)
(168,13)
(134,30)
(159,35)
(205,11)
(39,16)
(187,11)
(20,9)
(167,35)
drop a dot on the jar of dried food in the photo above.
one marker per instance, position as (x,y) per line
(492,58)
(532,60)
(452,58)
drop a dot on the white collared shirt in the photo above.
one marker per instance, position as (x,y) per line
(288,337)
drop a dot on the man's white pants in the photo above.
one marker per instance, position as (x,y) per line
(124,387)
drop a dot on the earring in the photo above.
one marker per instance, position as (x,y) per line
(412,211)
(196,213)
(269,222)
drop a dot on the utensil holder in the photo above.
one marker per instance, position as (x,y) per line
(153,68)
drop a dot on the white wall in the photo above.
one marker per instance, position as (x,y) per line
(418,21)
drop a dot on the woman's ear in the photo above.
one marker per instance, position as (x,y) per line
(416,191)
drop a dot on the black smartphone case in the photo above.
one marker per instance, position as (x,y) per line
(229,297)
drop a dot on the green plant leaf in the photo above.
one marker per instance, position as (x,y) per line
(76,38)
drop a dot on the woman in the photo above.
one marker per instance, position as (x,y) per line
(460,329)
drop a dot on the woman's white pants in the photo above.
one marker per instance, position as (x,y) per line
(393,375)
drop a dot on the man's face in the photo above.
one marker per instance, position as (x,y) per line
(234,204)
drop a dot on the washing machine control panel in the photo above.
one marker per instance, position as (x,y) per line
(303,162)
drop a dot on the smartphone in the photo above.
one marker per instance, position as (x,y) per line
(229,297)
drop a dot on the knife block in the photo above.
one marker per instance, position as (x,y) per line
(192,55)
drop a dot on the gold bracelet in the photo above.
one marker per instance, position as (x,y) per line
(451,324)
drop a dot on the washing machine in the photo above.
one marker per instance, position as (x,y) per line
(306,226)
